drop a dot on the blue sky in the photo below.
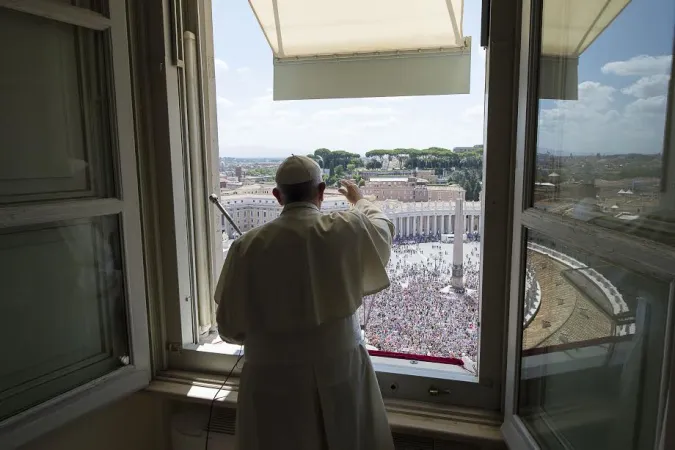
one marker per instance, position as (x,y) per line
(622,80)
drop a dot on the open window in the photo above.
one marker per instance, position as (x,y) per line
(72,287)
(593,267)
(446,347)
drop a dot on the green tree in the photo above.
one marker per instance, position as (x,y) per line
(373,164)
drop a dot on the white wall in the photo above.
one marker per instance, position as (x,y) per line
(133,423)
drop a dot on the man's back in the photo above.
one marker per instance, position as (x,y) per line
(304,268)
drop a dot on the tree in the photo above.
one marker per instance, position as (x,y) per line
(373,164)
(339,171)
(317,158)
(350,168)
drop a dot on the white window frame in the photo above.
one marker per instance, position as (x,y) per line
(178,332)
(22,427)
(642,256)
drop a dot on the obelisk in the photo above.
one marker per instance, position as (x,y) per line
(458,248)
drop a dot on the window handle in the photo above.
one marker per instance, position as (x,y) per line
(434,391)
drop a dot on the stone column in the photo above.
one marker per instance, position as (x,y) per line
(458,248)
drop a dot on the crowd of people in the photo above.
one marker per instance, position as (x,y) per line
(420,313)
(402,240)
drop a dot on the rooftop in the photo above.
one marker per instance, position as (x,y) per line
(445,187)
(389,179)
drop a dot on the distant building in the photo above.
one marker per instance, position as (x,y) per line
(427,174)
(410,189)
(404,189)
(445,193)
(251,189)
(544,192)
(410,219)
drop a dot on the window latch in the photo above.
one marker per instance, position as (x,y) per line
(434,391)
(174,347)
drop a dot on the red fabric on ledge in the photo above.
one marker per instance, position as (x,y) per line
(433,359)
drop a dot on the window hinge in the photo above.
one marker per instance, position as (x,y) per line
(175,347)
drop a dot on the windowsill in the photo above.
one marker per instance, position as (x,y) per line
(432,420)
(381,364)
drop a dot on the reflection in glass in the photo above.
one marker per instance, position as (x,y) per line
(604,135)
(65,282)
(54,119)
(592,350)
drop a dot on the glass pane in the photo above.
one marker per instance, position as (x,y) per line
(54,120)
(62,309)
(605,146)
(592,350)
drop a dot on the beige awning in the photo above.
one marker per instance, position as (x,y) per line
(296,28)
(569,27)
(365,48)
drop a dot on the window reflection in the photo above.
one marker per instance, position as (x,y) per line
(592,350)
(603,134)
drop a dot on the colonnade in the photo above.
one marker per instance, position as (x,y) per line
(430,224)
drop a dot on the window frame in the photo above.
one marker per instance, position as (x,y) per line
(180,343)
(641,255)
(20,428)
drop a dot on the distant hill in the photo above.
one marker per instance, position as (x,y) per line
(258,152)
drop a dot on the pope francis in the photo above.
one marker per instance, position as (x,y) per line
(289,291)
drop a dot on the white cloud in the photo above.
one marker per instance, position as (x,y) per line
(352,124)
(600,122)
(643,65)
(651,86)
(646,108)
(221,66)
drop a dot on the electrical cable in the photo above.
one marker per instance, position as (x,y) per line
(215,397)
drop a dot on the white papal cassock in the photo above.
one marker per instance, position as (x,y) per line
(289,290)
